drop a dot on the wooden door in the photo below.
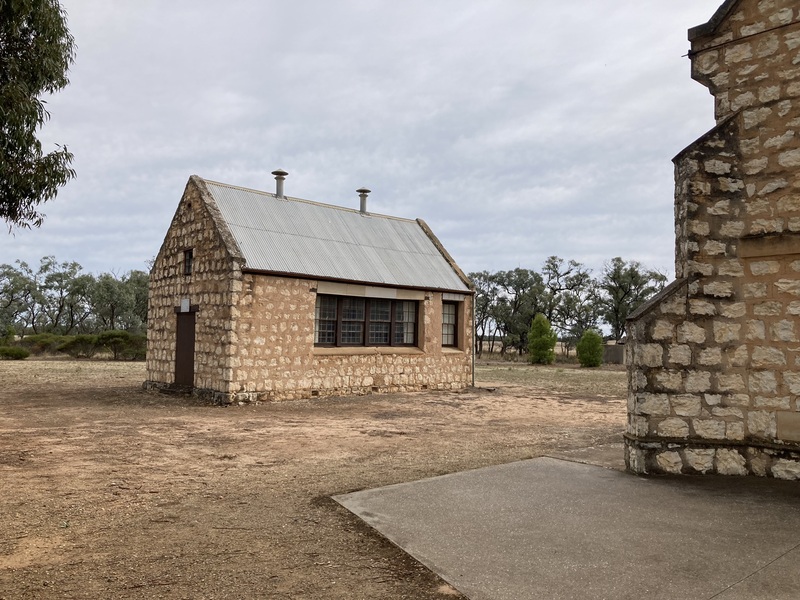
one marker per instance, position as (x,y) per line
(184,350)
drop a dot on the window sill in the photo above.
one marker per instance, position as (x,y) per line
(451,350)
(355,350)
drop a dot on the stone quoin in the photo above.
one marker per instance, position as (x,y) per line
(714,359)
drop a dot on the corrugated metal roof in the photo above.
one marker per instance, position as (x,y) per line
(288,235)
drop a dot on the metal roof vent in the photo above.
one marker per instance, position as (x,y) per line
(280,175)
(362,193)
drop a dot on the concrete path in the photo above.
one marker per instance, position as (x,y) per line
(553,529)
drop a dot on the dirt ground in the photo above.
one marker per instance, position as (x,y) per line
(107,491)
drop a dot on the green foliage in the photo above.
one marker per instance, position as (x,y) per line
(590,349)
(60,298)
(42,343)
(84,345)
(13,353)
(136,347)
(36,50)
(625,287)
(123,344)
(541,341)
(7,336)
(115,341)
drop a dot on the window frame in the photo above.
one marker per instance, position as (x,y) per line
(454,324)
(188,261)
(394,307)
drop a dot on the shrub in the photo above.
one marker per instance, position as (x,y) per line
(84,345)
(41,343)
(136,347)
(115,340)
(590,349)
(13,353)
(7,336)
(541,341)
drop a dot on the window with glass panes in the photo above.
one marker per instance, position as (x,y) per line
(449,322)
(348,321)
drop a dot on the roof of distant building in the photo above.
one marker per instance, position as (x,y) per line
(291,236)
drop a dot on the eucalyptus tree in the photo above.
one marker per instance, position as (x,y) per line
(624,286)
(36,51)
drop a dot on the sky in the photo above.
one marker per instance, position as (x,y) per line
(517,129)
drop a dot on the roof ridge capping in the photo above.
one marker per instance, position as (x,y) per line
(714,22)
(303,200)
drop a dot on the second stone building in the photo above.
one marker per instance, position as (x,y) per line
(257,296)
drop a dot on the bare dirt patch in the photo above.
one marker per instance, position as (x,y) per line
(110,491)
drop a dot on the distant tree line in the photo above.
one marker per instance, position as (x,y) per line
(57,306)
(566,293)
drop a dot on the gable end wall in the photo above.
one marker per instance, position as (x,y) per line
(714,365)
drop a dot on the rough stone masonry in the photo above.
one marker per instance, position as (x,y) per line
(714,360)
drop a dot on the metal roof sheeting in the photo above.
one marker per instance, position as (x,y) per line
(288,235)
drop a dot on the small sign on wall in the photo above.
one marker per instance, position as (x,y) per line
(185,306)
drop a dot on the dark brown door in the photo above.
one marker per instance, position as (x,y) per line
(184,350)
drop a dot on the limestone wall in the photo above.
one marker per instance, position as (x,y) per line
(212,287)
(714,362)
(276,358)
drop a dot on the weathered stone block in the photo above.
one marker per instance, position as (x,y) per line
(730,382)
(718,289)
(783,331)
(673,428)
(649,355)
(670,381)
(662,330)
(656,405)
(725,332)
(761,423)
(788,286)
(786,469)
(765,267)
(710,357)
(715,248)
(727,411)
(765,356)
(669,462)
(680,354)
(754,290)
(790,158)
(733,310)
(675,305)
(698,381)
(638,426)
(688,332)
(700,460)
(731,268)
(701,307)
(792,382)
(773,402)
(686,405)
(762,382)
(730,462)
(709,429)
(718,167)
(732,229)
(734,431)
(755,330)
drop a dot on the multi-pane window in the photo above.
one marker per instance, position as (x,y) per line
(449,322)
(348,321)
(405,323)
(325,318)
(188,260)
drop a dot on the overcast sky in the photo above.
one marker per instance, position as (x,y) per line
(518,129)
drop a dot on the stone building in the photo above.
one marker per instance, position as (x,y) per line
(257,296)
(714,360)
